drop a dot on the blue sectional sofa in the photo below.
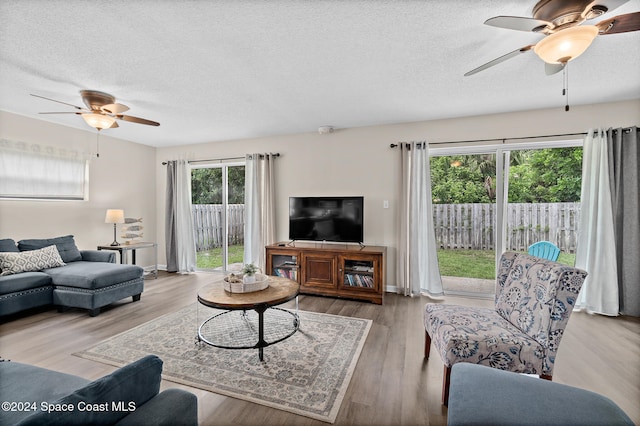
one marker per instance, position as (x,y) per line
(31,276)
(128,396)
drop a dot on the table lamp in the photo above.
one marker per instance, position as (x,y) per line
(114,216)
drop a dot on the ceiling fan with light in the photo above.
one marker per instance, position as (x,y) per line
(560,22)
(101,110)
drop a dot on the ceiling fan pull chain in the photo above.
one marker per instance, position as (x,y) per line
(98,143)
(565,85)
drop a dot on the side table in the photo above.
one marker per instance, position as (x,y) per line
(123,249)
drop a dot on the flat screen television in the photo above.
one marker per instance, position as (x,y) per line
(336,219)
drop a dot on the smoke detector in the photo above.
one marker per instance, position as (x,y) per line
(324,130)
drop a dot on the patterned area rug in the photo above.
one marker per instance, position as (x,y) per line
(306,374)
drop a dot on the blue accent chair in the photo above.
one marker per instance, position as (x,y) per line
(545,250)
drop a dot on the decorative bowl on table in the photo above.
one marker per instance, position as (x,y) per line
(235,283)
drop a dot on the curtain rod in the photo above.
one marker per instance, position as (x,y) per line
(277,154)
(393,145)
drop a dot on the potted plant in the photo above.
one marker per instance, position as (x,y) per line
(249,270)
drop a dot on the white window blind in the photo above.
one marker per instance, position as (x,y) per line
(32,171)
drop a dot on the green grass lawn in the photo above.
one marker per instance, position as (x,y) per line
(478,263)
(453,263)
(212,259)
(467,263)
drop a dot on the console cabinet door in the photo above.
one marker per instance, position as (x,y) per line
(359,273)
(319,270)
(283,263)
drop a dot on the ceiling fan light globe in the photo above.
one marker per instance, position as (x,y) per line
(98,121)
(566,45)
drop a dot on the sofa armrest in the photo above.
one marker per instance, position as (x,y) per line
(170,407)
(98,256)
(481,395)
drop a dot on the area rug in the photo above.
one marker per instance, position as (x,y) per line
(306,374)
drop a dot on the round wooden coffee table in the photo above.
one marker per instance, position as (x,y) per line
(250,320)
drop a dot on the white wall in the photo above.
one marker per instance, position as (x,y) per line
(354,161)
(122,177)
(358,161)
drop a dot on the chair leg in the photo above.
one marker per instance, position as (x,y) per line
(446,378)
(427,345)
(545,376)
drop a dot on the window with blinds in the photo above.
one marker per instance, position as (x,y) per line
(31,171)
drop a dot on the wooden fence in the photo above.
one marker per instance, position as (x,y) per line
(208,225)
(457,226)
(471,226)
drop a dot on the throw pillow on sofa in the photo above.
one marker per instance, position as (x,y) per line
(27,261)
(66,246)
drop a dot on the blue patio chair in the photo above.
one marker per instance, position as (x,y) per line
(545,250)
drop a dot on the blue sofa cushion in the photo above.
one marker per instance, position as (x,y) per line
(98,256)
(24,281)
(66,246)
(93,275)
(481,395)
(131,386)
(23,382)
(8,244)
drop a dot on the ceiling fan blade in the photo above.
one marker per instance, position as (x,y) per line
(114,125)
(114,108)
(620,24)
(550,69)
(60,102)
(66,112)
(137,120)
(499,60)
(518,23)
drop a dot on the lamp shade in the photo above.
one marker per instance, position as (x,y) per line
(114,216)
(99,121)
(565,45)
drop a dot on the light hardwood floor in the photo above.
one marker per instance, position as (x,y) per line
(392,383)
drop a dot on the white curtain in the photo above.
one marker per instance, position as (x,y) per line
(180,241)
(596,250)
(417,261)
(259,206)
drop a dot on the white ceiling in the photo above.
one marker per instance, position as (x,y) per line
(230,69)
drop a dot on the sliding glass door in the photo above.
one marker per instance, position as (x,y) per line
(490,199)
(543,199)
(464,195)
(218,215)
(464,200)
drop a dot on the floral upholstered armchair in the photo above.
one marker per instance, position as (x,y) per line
(533,301)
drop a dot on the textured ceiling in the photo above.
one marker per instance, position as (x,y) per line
(229,69)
